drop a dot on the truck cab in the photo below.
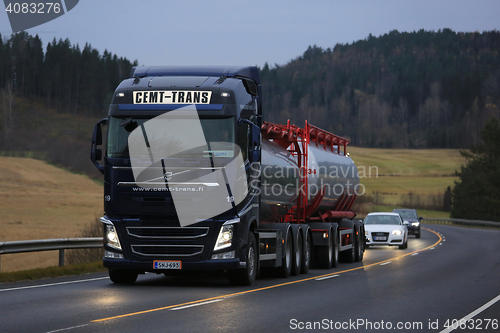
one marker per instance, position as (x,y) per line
(176,162)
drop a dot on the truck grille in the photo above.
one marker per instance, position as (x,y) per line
(168,232)
(167,250)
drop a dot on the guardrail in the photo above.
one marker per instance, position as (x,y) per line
(60,244)
(462,222)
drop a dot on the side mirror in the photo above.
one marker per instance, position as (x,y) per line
(96,153)
(420,218)
(405,223)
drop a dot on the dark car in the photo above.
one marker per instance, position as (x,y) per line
(410,215)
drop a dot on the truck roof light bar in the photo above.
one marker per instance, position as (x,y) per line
(248,72)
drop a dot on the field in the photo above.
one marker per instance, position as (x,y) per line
(39,201)
(414,178)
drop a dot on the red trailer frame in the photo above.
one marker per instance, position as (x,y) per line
(295,140)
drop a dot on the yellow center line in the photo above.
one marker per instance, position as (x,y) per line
(268,287)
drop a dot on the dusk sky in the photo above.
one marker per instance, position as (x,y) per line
(231,32)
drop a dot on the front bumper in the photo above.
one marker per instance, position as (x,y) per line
(390,239)
(413,230)
(147,266)
(143,242)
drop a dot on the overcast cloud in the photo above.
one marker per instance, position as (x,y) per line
(230,32)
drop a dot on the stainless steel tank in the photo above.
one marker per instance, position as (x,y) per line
(280,178)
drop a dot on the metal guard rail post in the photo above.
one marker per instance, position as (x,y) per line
(60,244)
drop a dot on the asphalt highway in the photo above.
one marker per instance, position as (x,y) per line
(450,273)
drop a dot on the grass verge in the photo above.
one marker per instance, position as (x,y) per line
(52,272)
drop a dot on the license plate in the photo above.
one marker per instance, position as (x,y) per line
(167,264)
(381,238)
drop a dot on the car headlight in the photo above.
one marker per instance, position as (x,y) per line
(112,237)
(415,224)
(396,232)
(225,237)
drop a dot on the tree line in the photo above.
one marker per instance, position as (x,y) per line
(69,79)
(422,89)
(476,195)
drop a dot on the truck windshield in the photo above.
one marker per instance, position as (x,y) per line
(218,134)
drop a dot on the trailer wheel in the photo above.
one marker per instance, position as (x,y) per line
(335,248)
(286,267)
(325,253)
(306,260)
(247,275)
(297,256)
(359,247)
(122,276)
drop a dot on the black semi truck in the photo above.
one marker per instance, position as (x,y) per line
(194,179)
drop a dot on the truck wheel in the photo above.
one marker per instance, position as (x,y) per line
(335,249)
(122,276)
(306,260)
(359,247)
(246,276)
(297,256)
(286,267)
(325,253)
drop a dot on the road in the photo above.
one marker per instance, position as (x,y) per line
(447,274)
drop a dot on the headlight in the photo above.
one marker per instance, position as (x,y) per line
(225,237)
(415,224)
(396,232)
(112,237)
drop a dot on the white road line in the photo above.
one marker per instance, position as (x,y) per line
(473,314)
(432,248)
(385,263)
(415,254)
(326,277)
(53,284)
(69,328)
(197,304)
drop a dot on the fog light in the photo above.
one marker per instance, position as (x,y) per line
(225,255)
(113,255)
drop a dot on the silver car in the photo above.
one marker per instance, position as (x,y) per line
(386,229)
